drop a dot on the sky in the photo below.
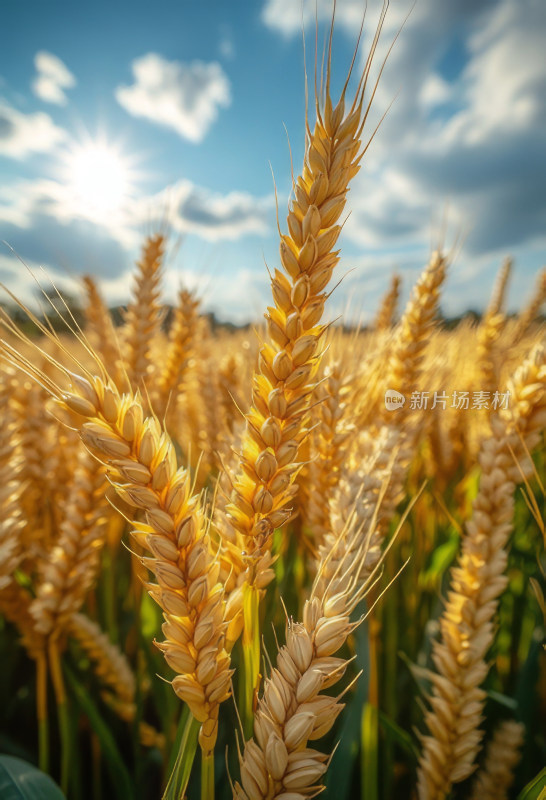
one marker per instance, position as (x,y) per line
(120,118)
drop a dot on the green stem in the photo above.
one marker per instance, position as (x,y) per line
(62,712)
(41,707)
(369,733)
(180,775)
(207,775)
(251,656)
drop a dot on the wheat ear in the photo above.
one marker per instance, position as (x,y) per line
(113,670)
(412,335)
(100,330)
(144,314)
(15,603)
(35,446)
(502,755)
(532,309)
(182,336)
(70,569)
(329,443)
(293,711)
(11,520)
(265,487)
(386,315)
(490,329)
(373,471)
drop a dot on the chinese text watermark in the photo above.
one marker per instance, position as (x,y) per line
(461,401)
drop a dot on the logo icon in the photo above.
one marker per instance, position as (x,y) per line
(393,400)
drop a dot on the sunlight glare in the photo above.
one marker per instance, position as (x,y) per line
(99,178)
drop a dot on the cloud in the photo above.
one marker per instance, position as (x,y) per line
(466,130)
(52,79)
(24,134)
(285,16)
(213,216)
(44,226)
(183,96)
(37,220)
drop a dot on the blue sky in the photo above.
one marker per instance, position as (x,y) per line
(192,98)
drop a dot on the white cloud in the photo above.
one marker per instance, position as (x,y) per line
(194,209)
(183,96)
(52,79)
(471,143)
(435,91)
(286,16)
(23,134)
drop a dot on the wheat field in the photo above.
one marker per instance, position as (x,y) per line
(277,563)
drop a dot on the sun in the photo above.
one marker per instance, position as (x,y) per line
(99,177)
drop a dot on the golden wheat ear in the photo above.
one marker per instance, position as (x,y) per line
(277,424)
(144,313)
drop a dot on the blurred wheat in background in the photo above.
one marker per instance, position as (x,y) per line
(230,566)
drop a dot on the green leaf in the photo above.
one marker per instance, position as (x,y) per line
(186,741)
(503,700)
(114,762)
(442,558)
(398,735)
(536,789)
(21,781)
